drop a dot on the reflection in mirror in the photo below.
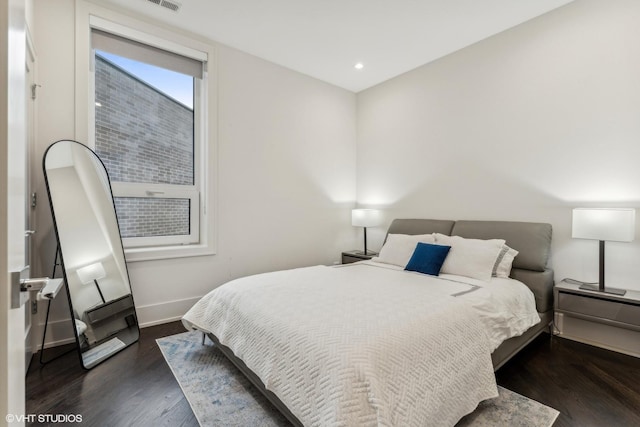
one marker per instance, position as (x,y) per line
(91,250)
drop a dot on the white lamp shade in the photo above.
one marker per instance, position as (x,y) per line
(366,217)
(91,272)
(614,225)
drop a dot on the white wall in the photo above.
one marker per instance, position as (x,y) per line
(286,171)
(522,126)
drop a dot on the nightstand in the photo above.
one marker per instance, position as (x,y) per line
(606,320)
(355,256)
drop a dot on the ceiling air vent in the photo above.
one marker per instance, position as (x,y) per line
(167,4)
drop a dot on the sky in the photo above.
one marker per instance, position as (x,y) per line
(176,85)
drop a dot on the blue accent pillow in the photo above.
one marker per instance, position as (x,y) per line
(428,258)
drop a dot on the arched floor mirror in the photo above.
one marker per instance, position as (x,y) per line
(91,251)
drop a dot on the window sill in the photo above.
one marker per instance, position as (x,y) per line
(167,252)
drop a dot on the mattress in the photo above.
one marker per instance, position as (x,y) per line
(367,343)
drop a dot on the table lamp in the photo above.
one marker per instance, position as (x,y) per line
(365,218)
(91,273)
(603,224)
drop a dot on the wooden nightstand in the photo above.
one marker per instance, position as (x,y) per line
(606,320)
(355,256)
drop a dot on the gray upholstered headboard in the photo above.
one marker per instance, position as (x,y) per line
(531,239)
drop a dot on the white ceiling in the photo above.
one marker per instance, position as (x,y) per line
(326,38)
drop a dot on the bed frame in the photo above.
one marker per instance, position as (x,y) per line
(531,240)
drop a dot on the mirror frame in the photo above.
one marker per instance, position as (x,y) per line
(60,253)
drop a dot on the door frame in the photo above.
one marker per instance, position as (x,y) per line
(32,329)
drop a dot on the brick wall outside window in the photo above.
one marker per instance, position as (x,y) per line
(141,217)
(143,136)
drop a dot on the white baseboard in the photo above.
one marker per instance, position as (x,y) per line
(157,314)
(60,332)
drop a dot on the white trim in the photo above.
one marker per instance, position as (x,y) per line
(158,314)
(168,252)
(59,332)
(162,191)
(206,166)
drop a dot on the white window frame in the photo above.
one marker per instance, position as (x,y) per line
(201,240)
(151,191)
(163,191)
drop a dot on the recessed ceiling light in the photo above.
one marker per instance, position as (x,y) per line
(359,66)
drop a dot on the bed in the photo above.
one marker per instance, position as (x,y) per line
(371,344)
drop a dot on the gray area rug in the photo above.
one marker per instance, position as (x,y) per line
(220,395)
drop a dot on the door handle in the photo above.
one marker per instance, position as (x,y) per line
(28,233)
(17,296)
(33,284)
(21,285)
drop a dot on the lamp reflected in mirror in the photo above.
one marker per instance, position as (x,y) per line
(91,273)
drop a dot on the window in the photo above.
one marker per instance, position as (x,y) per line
(149,130)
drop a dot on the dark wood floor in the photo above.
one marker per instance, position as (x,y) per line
(588,385)
(133,388)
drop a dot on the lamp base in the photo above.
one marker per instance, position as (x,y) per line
(596,288)
(368,253)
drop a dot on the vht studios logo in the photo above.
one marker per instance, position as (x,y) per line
(44,418)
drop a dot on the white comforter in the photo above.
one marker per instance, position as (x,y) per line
(366,344)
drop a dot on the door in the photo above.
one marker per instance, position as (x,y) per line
(12,206)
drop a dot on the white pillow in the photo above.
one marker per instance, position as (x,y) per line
(473,258)
(398,248)
(504,262)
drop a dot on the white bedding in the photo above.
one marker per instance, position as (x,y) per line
(367,343)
